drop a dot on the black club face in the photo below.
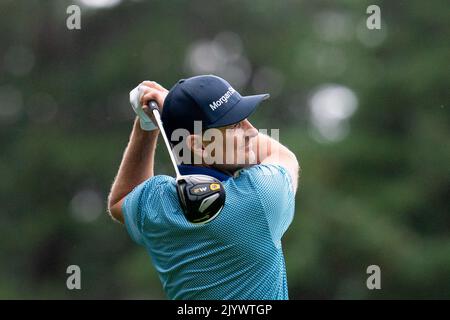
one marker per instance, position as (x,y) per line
(201,197)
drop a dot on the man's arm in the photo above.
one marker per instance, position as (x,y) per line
(138,159)
(136,167)
(270,151)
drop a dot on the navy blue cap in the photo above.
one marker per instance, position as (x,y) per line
(209,99)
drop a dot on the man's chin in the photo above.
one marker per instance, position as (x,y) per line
(248,162)
(243,166)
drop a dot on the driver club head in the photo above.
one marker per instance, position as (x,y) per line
(202,197)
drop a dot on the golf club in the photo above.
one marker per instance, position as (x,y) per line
(201,197)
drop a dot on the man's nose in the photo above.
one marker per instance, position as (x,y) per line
(250,130)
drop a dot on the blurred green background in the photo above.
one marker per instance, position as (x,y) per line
(365,111)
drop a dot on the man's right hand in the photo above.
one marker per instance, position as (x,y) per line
(151,90)
(139,98)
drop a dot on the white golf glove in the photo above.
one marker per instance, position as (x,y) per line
(135,100)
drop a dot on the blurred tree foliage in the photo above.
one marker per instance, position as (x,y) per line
(379,195)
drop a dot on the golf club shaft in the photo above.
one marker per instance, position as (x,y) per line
(154,107)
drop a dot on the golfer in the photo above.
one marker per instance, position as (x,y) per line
(237,255)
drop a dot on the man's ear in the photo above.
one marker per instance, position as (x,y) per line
(195,146)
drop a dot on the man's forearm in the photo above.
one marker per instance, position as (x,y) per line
(265,147)
(137,163)
(271,151)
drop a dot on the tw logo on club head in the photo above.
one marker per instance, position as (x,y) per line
(199,190)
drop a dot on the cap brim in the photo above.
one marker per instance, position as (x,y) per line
(241,110)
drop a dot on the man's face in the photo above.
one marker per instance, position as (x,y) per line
(236,150)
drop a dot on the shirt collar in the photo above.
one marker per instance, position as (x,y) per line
(188,169)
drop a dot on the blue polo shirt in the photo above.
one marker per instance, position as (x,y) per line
(238,255)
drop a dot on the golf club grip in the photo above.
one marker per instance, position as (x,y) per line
(153,105)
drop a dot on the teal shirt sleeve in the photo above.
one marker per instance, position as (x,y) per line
(275,192)
(137,206)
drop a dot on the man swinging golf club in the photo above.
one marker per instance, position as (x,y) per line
(214,231)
